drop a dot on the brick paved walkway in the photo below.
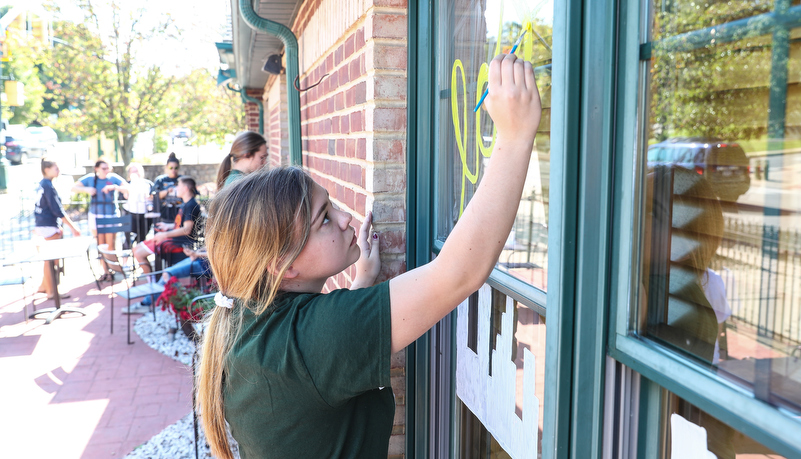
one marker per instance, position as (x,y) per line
(71,389)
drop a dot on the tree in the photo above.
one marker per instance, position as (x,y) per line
(98,74)
(24,67)
(719,90)
(210,111)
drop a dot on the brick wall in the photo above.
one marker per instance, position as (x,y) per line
(353,128)
(276,125)
(252,109)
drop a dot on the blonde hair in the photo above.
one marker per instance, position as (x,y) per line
(260,222)
(245,145)
(136,167)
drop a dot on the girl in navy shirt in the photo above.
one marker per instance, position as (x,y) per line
(47,212)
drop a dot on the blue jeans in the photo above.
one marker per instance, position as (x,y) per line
(184,268)
(187,267)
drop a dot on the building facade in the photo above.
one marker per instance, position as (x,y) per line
(648,300)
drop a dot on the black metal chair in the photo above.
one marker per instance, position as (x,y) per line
(124,263)
(122,224)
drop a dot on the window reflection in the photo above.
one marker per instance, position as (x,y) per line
(721,251)
(473,33)
(692,432)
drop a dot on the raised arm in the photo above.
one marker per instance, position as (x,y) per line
(423,296)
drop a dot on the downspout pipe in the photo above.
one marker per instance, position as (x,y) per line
(245,99)
(281,31)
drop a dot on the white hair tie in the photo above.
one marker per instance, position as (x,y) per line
(223,301)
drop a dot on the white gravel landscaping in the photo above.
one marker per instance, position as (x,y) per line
(176,441)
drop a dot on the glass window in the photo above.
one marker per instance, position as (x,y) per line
(473,32)
(500,377)
(720,271)
(694,433)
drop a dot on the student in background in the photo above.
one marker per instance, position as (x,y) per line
(164,193)
(248,154)
(103,186)
(47,213)
(171,238)
(137,200)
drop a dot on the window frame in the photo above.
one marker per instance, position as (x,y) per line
(663,367)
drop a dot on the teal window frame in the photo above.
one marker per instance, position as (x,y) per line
(579,225)
(662,367)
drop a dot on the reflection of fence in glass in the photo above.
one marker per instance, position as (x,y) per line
(761,267)
(525,254)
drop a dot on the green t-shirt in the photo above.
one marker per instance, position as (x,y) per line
(310,378)
(233,176)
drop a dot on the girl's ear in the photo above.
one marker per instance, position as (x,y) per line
(291,273)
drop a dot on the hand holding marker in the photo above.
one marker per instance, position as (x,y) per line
(486,91)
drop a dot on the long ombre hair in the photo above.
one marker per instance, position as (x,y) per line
(256,229)
(245,145)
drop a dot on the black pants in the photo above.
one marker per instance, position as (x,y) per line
(141,226)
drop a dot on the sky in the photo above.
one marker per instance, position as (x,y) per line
(201,23)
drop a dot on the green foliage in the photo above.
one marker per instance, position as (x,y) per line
(103,83)
(210,111)
(27,55)
(717,91)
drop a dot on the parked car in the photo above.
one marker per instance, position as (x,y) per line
(723,164)
(181,135)
(41,140)
(17,147)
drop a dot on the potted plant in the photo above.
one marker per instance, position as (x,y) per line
(178,298)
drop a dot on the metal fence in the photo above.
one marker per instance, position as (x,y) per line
(761,268)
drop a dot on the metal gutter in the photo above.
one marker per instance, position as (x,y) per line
(261,24)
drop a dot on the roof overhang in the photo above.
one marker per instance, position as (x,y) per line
(251,48)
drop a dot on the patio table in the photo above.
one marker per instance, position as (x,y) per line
(49,252)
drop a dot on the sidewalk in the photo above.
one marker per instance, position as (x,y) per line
(73,390)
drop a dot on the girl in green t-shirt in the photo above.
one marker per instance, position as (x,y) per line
(248,154)
(274,238)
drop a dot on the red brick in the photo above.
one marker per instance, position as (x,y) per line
(361,148)
(355,68)
(359,93)
(359,39)
(357,121)
(340,98)
(356,175)
(349,198)
(350,148)
(341,148)
(362,66)
(333,80)
(360,203)
(389,57)
(389,119)
(338,55)
(393,241)
(344,74)
(391,3)
(389,26)
(344,122)
(390,87)
(340,194)
(350,44)
(389,150)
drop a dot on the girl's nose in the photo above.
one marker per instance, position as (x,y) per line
(347,217)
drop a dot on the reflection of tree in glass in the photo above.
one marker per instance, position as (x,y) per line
(718,90)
